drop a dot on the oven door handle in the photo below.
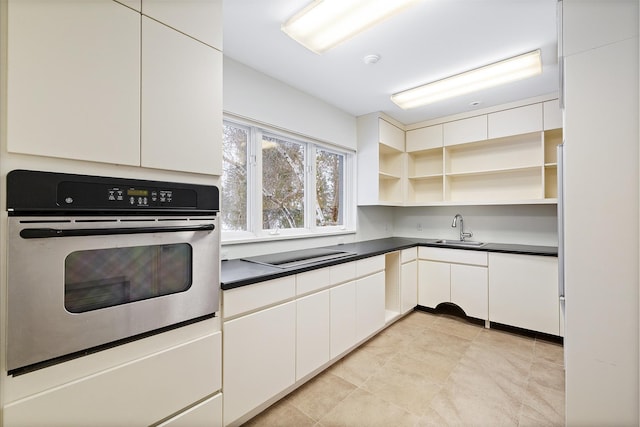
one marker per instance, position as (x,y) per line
(45,233)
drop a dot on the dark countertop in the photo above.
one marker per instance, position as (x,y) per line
(236,272)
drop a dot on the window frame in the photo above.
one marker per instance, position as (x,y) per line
(254,231)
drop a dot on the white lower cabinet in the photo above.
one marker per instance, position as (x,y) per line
(207,413)
(343,318)
(434,285)
(281,331)
(523,292)
(456,276)
(370,305)
(469,289)
(312,332)
(259,355)
(140,392)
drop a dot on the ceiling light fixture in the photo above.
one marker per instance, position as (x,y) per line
(325,23)
(508,70)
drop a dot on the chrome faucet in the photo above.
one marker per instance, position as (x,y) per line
(462,232)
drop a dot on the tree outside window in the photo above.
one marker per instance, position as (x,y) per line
(283,183)
(301,189)
(234,177)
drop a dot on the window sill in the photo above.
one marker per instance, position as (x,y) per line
(246,237)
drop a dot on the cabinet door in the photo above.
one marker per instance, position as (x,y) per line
(370,299)
(523,292)
(200,19)
(469,290)
(73,88)
(259,358)
(343,318)
(466,130)
(391,135)
(552,118)
(408,286)
(312,333)
(424,138)
(515,121)
(434,283)
(181,102)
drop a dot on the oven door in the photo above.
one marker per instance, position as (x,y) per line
(76,284)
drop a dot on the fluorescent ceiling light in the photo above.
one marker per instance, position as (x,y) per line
(516,68)
(325,23)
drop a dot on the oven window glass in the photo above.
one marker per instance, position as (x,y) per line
(101,278)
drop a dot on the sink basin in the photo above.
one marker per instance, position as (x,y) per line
(460,243)
(298,258)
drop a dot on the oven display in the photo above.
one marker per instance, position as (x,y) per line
(134,192)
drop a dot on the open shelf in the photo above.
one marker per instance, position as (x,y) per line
(424,163)
(498,154)
(426,190)
(390,161)
(494,171)
(515,184)
(552,138)
(389,189)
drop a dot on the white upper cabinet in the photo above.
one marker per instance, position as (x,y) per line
(90,80)
(515,121)
(73,86)
(380,161)
(181,102)
(465,130)
(199,19)
(424,138)
(552,115)
(391,135)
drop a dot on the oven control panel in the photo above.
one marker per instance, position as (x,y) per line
(48,193)
(94,195)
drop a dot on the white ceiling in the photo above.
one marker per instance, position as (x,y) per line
(432,40)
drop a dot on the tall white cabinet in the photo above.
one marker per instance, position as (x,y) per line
(125,82)
(600,50)
(74,80)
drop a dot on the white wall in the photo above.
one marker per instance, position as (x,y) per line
(520,224)
(256,96)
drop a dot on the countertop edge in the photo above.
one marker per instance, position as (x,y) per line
(378,247)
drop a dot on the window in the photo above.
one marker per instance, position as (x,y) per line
(279,184)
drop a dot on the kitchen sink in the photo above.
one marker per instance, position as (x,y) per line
(460,243)
(298,258)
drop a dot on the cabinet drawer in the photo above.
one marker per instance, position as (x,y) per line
(313,280)
(467,130)
(342,273)
(408,255)
(424,138)
(157,384)
(458,256)
(252,297)
(367,266)
(515,121)
(207,413)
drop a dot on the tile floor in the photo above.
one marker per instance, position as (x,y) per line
(433,370)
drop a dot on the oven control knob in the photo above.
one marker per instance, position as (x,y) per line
(68,200)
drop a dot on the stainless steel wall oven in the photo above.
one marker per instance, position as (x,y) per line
(95,262)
